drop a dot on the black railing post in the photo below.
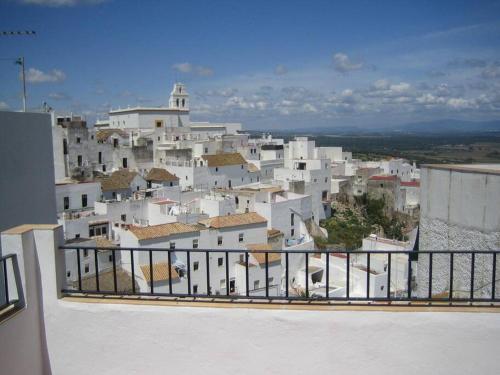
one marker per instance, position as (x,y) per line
(348,274)
(247,282)
(450,297)
(389,258)
(132,267)
(151,273)
(327,257)
(227,273)
(79,267)
(6,281)
(367,275)
(409,276)
(267,274)
(96,260)
(307,275)
(430,276)
(115,282)
(188,257)
(169,271)
(494,276)
(207,261)
(286,274)
(472,268)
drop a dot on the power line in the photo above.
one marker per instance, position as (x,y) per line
(18,32)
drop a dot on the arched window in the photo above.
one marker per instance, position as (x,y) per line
(177,101)
(183,102)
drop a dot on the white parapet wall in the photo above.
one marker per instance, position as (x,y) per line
(70,337)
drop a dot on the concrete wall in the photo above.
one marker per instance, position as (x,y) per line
(27,193)
(460,210)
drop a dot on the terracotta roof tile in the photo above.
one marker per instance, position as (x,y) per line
(220,160)
(234,220)
(160,174)
(258,252)
(160,272)
(102,135)
(162,230)
(120,179)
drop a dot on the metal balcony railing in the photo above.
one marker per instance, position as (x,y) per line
(280,275)
(11,291)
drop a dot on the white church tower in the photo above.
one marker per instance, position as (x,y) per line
(179,98)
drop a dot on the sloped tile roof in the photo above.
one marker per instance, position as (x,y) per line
(258,251)
(120,179)
(102,135)
(233,220)
(160,272)
(220,160)
(161,175)
(162,230)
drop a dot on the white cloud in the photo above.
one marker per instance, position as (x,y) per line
(4,105)
(37,76)
(59,96)
(343,64)
(280,70)
(202,71)
(461,103)
(61,3)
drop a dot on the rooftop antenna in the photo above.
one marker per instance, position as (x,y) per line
(20,60)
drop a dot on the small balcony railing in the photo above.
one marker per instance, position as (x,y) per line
(11,291)
(450,277)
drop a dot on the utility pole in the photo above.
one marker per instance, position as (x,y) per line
(20,60)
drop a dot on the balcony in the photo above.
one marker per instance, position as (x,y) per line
(66,327)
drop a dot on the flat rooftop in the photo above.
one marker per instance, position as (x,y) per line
(473,168)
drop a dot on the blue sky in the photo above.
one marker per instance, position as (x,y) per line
(268,64)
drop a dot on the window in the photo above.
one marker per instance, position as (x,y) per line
(206,150)
(292,219)
(110,258)
(68,274)
(195,244)
(172,245)
(77,235)
(115,142)
(92,136)
(223,284)
(240,237)
(195,289)
(241,166)
(270,281)
(104,167)
(324,194)
(66,203)
(292,232)
(220,261)
(100,157)
(78,140)
(159,124)
(256,284)
(87,268)
(85,252)
(91,232)
(215,183)
(65,146)
(124,163)
(219,240)
(124,217)
(113,194)
(237,201)
(84,200)
(80,160)
(104,230)
(177,103)
(196,265)
(183,102)
(326,179)
(216,169)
